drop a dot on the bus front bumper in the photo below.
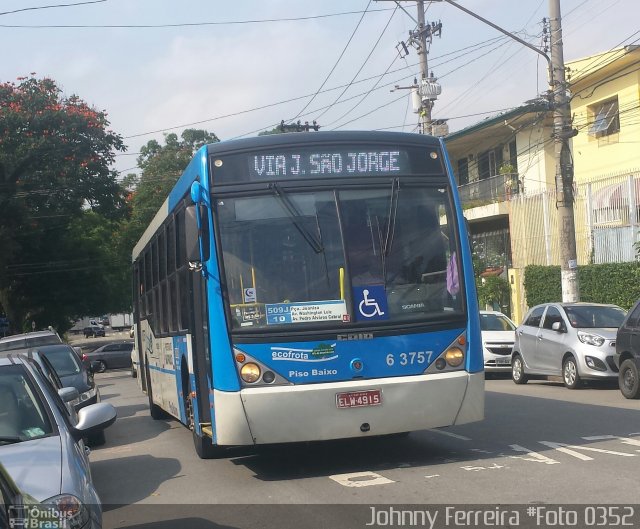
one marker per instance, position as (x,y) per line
(281,414)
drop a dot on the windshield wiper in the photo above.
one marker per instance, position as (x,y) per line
(296,218)
(9,440)
(391,222)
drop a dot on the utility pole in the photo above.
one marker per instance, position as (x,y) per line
(427,88)
(562,133)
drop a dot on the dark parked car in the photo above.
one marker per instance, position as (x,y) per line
(41,443)
(93,331)
(627,356)
(28,340)
(110,356)
(63,368)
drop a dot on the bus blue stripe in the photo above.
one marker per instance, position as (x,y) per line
(163,370)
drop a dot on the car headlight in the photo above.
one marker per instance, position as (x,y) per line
(88,394)
(590,339)
(60,511)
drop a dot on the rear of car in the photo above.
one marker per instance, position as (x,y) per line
(498,337)
(576,341)
(627,357)
(93,331)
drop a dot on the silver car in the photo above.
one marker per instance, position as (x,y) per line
(41,443)
(576,341)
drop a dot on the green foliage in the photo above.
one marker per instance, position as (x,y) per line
(617,283)
(161,167)
(55,177)
(542,284)
(494,289)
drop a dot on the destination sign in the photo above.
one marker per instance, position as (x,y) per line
(270,165)
(326,161)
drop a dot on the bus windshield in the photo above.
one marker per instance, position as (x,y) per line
(341,257)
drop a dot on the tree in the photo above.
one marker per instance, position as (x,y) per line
(55,178)
(161,167)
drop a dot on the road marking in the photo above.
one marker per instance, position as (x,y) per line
(360,479)
(532,456)
(433,476)
(623,440)
(495,466)
(449,434)
(567,449)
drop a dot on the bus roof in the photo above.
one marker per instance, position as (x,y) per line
(328,137)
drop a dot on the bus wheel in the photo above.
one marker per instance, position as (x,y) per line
(157,413)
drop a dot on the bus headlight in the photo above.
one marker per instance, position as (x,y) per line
(250,372)
(454,357)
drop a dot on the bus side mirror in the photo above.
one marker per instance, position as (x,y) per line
(192,242)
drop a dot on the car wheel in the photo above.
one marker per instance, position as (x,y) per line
(101,366)
(628,379)
(517,370)
(570,374)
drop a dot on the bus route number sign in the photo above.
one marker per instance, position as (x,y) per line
(359,399)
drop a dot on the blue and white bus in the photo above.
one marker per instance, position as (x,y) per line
(309,286)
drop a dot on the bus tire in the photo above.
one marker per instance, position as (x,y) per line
(156,412)
(205,448)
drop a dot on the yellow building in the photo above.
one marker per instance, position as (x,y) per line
(605,104)
(505,167)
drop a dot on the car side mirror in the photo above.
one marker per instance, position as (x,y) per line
(93,419)
(68,394)
(557,326)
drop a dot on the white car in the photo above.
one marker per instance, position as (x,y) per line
(498,337)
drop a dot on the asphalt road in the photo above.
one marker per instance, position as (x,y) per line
(539,444)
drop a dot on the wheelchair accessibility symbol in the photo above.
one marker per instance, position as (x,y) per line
(371,301)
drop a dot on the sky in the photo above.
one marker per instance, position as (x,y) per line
(237,68)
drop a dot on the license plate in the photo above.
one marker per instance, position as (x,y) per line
(505,360)
(358,399)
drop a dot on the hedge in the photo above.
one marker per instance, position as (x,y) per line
(617,283)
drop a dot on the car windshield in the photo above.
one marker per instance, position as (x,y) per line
(22,413)
(63,361)
(336,258)
(495,322)
(594,316)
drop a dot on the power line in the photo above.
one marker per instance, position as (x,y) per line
(479,45)
(36,8)
(336,63)
(188,24)
(361,67)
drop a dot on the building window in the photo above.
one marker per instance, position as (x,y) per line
(463,171)
(606,118)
